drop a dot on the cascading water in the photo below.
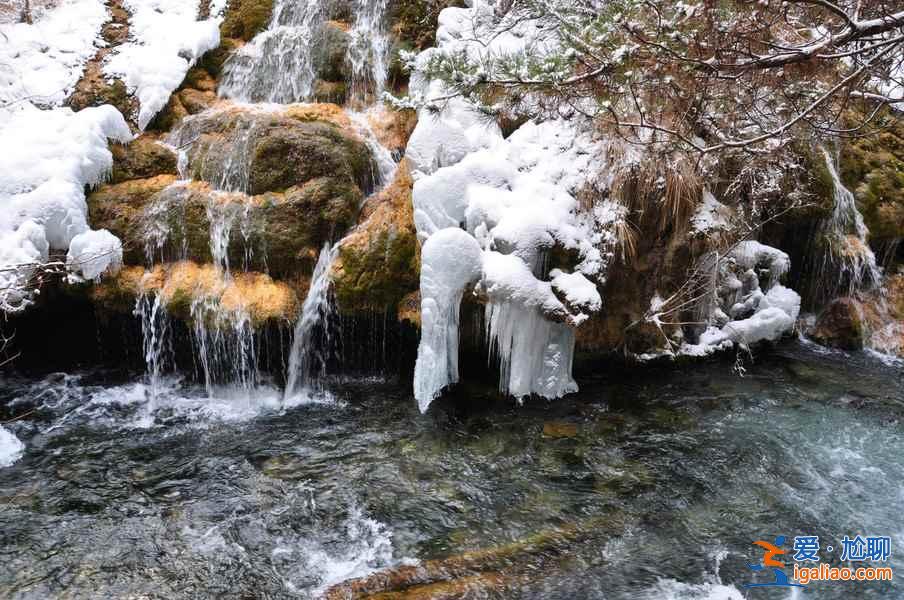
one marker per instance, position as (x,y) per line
(280,64)
(848,263)
(309,356)
(277,65)
(368,49)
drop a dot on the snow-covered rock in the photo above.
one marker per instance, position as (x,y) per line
(166,40)
(513,200)
(57,153)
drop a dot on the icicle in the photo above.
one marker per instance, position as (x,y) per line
(535,354)
(450,260)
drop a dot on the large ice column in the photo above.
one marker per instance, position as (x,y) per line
(450,260)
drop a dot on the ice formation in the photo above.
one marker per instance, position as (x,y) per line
(491,211)
(58,152)
(167,39)
(11,448)
(42,61)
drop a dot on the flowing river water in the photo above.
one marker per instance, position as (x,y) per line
(668,474)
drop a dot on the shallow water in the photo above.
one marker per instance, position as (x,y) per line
(669,474)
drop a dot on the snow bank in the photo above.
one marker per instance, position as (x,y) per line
(58,152)
(41,62)
(166,40)
(510,203)
(11,448)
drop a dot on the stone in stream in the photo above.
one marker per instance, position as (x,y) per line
(488,569)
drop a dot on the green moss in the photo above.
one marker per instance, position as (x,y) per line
(415,21)
(245,18)
(212,61)
(873,168)
(379,275)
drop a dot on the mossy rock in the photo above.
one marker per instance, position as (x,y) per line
(246,18)
(329,59)
(415,21)
(102,91)
(282,150)
(334,92)
(119,208)
(873,168)
(379,263)
(142,158)
(212,62)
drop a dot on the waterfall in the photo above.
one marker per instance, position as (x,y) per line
(368,49)
(277,65)
(280,64)
(308,359)
(155,341)
(848,263)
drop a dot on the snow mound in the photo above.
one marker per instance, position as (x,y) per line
(58,153)
(743,314)
(166,41)
(11,448)
(41,62)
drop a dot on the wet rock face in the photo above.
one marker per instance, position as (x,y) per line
(246,18)
(873,168)
(261,151)
(142,158)
(841,325)
(378,263)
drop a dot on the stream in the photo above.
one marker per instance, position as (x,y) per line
(670,473)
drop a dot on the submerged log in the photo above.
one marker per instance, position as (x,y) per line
(488,569)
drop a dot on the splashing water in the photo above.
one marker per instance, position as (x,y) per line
(308,359)
(849,265)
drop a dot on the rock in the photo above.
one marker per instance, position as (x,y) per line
(378,264)
(195,101)
(276,150)
(142,158)
(184,283)
(841,325)
(246,18)
(334,92)
(282,232)
(872,167)
(119,208)
(329,61)
(559,429)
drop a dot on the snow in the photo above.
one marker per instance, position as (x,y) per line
(42,62)
(166,40)
(11,449)
(58,152)
(711,215)
(744,314)
(511,202)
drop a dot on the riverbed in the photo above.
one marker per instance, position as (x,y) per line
(653,481)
